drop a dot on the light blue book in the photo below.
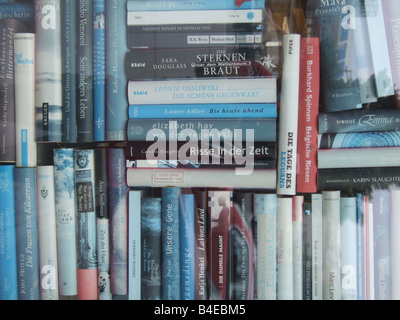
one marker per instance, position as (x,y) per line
(185,111)
(170,243)
(157,5)
(187,247)
(8,250)
(27,236)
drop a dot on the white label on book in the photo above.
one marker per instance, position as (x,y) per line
(198,39)
(163,176)
(222,39)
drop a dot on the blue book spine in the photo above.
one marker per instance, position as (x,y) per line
(157,5)
(185,111)
(25,12)
(360,255)
(170,244)
(187,239)
(27,236)
(68,40)
(116,48)
(8,250)
(99,76)
(48,96)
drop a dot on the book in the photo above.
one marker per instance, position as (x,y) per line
(64,183)
(298,244)
(27,237)
(394,241)
(348,248)
(118,213)
(99,67)
(48,94)
(163,177)
(184,5)
(47,232)
(360,222)
(331,272)
(288,115)
(187,246)
(69,38)
(307,142)
(358,157)
(190,111)
(265,209)
(316,234)
(8,252)
(307,251)
(229,129)
(24,77)
(368,261)
(359,139)
(102,223)
(362,120)
(23,11)
(170,245)
(116,81)
(151,248)
(8,27)
(84,71)
(195,63)
(220,207)
(87,273)
(193,91)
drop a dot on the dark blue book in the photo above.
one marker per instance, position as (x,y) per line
(187,247)
(170,243)
(23,11)
(27,237)
(69,80)
(99,75)
(151,249)
(8,250)
(116,48)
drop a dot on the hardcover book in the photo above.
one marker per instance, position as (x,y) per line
(316,222)
(298,258)
(394,241)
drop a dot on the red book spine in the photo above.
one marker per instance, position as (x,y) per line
(307,147)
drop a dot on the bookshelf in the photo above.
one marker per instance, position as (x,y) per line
(199,150)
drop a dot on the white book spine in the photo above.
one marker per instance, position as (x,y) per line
(288,115)
(47,233)
(371,263)
(192,91)
(24,72)
(285,249)
(297,226)
(395,242)
(265,207)
(134,252)
(331,245)
(141,18)
(316,220)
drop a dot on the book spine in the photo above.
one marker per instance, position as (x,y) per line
(358,157)
(307,252)
(307,143)
(394,242)
(69,62)
(27,237)
(177,17)
(24,12)
(298,259)
(64,181)
(171,250)
(380,199)
(163,177)
(84,72)
(118,211)
(257,90)
(182,40)
(359,140)
(8,27)
(134,236)
(371,252)
(348,249)
(331,273)
(265,208)
(288,115)
(225,111)
(201,129)
(360,222)
(48,98)
(151,249)
(316,222)
(48,260)
(87,272)
(102,223)
(201,228)
(187,246)
(8,252)
(99,76)
(116,48)
(184,5)
(220,206)
(24,75)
